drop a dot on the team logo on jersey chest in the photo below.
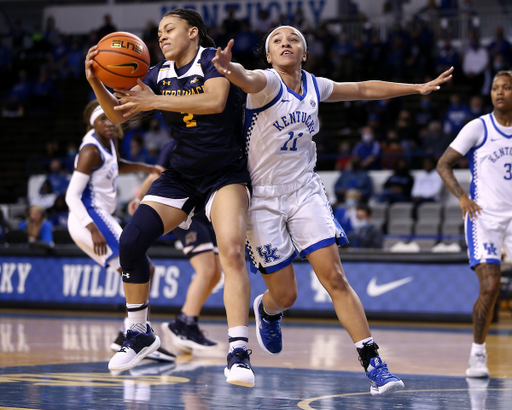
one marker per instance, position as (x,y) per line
(313,103)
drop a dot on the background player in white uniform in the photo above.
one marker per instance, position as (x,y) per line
(487,211)
(92,194)
(289,211)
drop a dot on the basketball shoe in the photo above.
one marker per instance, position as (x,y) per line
(159,355)
(239,370)
(381,380)
(478,365)
(187,337)
(268,331)
(136,346)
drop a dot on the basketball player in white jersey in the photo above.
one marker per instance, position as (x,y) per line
(289,212)
(487,211)
(92,195)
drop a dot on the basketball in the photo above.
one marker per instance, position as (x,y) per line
(122,59)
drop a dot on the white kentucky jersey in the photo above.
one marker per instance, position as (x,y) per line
(279,133)
(101,190)
(489,148)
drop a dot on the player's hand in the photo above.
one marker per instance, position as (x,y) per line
(100,243)
(89,72)
(223,58)
(435,85)
(133,205)
(468,206)
(153,169)
(135,100)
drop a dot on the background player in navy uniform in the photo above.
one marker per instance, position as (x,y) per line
(208,169)
(92,196)
(487,212)
(200,246)
(290,213)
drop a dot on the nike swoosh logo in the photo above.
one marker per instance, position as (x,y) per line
(134,66)
(285,100)
(375,290)
(497,139)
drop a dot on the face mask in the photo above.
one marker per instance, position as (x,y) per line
(367,137)
(71,152)
(358,224)
(351,202)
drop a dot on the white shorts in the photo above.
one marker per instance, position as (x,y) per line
(486,236)
(110,229)
(299,222)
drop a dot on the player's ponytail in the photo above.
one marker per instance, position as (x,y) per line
(194,19)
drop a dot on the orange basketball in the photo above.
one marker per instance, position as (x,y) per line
(122,59)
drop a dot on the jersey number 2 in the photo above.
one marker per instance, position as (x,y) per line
(189,121)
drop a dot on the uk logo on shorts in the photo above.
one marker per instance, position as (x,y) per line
(490,248)
(269,253)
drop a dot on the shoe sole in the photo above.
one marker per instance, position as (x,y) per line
(238,379)
(387,388)
(257,317)
(186,346)
(481,374)
(136,360)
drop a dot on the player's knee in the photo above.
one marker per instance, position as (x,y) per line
(133,257)
(233,256)
(285,299)
(336,281)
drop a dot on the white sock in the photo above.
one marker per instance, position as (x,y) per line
(137,316)
(361,343)
(478,349)
(238,337)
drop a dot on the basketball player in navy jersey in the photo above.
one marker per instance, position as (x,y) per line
(290,213)
(487,211)
(200,246)
(208,169)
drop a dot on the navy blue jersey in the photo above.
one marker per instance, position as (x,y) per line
(204,143)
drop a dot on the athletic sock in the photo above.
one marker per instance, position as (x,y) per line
(238,337)
(478,349)
(138,316)
(188,320)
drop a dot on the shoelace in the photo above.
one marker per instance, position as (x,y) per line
(271,329)
(242,354)
(382,372)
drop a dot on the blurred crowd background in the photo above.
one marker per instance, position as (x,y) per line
(43,92)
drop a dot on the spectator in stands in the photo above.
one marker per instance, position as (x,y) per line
(449,8)
(398,186)
(476,107)
(365,235)
(246,41)
(42,93)
(428,185)
(434,141)
(344,156)
(346,213)
(354,177)
(263,22)
(51,33)
(45,197)
(156,136)
(137,151)
(75,63)
(38,228)
(107,26)
(18,97)
(58,213)
(457,115)
(231,25)
(392,150)
(4,226)
(474,64)
(59,56)
(425,114)
(58,179)
(368,150)
(68,161)
(447,57)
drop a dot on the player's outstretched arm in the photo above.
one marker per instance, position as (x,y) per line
(378,90)
(445,165)
(249,81)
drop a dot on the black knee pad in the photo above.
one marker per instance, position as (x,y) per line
(143,230)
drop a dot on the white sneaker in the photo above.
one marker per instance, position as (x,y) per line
(478,365)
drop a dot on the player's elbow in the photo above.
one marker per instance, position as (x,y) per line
(218,106)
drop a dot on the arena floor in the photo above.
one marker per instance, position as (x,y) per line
(58,360)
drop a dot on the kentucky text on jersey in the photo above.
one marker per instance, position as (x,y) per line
(496,155)
(295,117)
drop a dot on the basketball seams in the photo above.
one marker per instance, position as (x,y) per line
(121,34)
(124,54)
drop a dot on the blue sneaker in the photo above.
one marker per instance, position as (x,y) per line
(136,346)
(382,381)
(268,332)
(239,370)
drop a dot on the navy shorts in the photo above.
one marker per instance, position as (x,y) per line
(188,194)
(199,238)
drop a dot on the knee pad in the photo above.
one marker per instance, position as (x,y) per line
(142,231)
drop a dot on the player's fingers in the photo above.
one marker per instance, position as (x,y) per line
(230,45)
